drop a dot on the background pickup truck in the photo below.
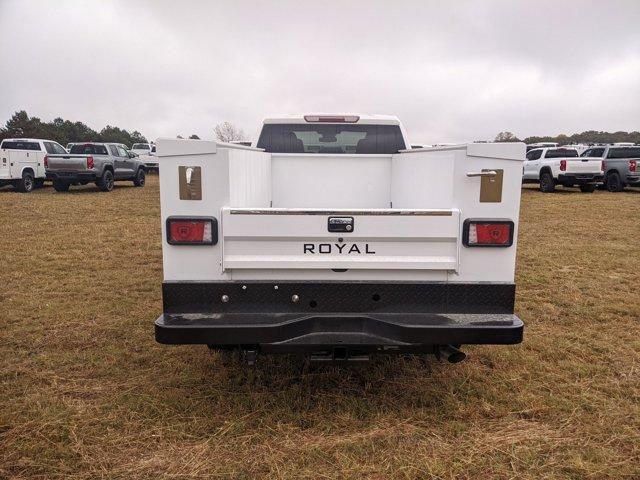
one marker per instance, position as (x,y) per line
(102,163)
(561,166)
(334,237)
(146,155)
(620,165)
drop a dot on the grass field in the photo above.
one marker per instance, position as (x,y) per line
(85,392)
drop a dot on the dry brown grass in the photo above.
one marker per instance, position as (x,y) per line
(87,393)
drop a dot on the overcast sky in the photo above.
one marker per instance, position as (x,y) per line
(452,71)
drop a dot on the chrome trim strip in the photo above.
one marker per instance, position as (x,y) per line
(364,212)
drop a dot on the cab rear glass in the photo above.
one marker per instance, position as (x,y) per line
(89,149)
(624,152)
(18,145)
(561,153)
(331,138)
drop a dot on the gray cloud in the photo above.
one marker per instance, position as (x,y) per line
(452,71)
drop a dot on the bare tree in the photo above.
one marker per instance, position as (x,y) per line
(506,137)
(227,132)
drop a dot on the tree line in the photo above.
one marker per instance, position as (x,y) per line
(590,136)
(20,125)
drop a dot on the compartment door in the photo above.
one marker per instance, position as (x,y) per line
(273,238)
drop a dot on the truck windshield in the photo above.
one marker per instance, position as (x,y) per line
(337,139)
(561,153)
(624,153)
(89,149)
(140,146)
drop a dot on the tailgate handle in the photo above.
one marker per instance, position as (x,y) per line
(487,173)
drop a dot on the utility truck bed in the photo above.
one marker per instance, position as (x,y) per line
(335,239)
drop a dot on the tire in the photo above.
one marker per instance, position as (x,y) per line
(60,186)
(26,183)
(547,183)
(106,181)
(588,188)
(614,182)
(139,179)
(39,183)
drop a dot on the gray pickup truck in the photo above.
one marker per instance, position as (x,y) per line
(102,163)
(621,165)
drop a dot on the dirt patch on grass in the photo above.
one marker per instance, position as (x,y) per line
(85,391)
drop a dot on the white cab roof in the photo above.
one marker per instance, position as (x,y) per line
(27,140)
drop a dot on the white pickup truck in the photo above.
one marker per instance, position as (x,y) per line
(147,154)
(334,238)
(550,167)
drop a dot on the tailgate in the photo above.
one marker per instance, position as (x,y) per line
(67,162)
(281,238)
(576,165)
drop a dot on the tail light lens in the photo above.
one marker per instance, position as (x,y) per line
(90,162)
(487,233)
(45,161)
(192,231)
(633,165)
(603,166)
(563,165)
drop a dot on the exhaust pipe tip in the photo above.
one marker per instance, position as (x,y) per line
(450,353)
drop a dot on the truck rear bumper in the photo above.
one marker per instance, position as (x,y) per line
(72,176)
(580,178)
(305,317)
(290,332)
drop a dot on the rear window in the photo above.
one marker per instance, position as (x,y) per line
(561,153)
(19,145)
(140,146)
(337,139)
(633,152)
(89,149)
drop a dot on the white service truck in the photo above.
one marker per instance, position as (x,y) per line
(22,161)
(336,239)
(550,167)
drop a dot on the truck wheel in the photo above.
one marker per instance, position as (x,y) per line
(60,186)
(106,181)
(547,184)
(26,183)
(139,179)
(588,188)
(613,182)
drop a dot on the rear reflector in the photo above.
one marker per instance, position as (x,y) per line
(192,231)
(487,233)
(633,165)
(331,118)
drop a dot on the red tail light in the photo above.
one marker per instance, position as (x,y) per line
(487,233)
(633,165)
(192,231)
(563,165)
(90,162)
(45,161)
(603,166)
